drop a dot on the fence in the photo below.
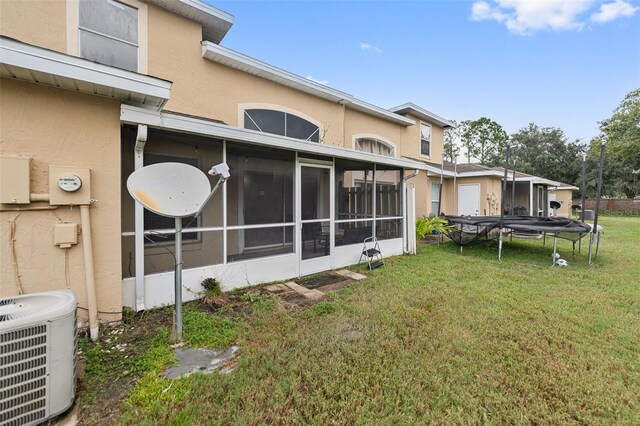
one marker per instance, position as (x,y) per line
(613,206)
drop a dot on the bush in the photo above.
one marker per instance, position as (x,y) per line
(431,225)
(211,286)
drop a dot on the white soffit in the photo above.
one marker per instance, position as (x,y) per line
(25,62)
(422,114)
(232,59)
(215,22)
(199,126)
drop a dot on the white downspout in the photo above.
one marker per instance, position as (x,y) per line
(89,276)
(138,155)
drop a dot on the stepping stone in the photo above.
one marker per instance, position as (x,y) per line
(350,274)
(277,288)
(307,293)
(200,360)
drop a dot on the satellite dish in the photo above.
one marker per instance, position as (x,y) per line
(175,190)
(170,189)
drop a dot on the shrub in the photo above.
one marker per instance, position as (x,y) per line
(431,225)
(211,286)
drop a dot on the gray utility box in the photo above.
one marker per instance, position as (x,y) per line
(588,215)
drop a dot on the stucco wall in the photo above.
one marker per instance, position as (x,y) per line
(564,197)
(39,22)
(411,141)
(58,127)
(488,186)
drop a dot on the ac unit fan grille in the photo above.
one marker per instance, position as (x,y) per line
(23,375)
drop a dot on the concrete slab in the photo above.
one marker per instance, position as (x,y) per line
(200,360)
(277,288)
(307,293)
(350,274)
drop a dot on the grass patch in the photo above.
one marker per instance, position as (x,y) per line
(441,337)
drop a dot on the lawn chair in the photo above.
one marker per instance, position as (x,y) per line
(371,253)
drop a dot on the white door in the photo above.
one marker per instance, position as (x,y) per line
(315,213)
(469,199)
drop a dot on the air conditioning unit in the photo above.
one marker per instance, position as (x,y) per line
(37,356)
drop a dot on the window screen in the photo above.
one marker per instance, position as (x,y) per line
(259,192)
(109,33)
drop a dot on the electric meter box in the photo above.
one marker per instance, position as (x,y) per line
(69,186)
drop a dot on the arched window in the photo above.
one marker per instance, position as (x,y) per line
(375,146)
(281,123)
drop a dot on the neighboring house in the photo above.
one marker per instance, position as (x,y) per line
(476,190)
(563,194)
(93,90)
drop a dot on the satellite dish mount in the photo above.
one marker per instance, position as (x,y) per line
(175,190)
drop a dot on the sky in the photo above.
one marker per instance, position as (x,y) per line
(555,63)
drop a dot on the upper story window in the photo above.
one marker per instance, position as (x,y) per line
(109,33)
(425,139)
(281,123)
(375,146)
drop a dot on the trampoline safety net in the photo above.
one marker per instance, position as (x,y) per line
(472,230)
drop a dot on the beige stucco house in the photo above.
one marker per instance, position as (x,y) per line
(477,190)
(92,90)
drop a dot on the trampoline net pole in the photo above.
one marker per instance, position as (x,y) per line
(598,193)
(504,195)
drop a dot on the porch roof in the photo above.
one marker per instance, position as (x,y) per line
(207,127)
(477,170)
(22,61)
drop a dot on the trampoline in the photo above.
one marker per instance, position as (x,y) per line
(472,230)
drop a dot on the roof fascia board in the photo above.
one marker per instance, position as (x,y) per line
(25,56)
(135,115)
(565,187)
(228,57)
(421,113)
(437,172)
(215,22)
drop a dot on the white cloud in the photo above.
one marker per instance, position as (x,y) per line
(315,80)
(612,11)
(369,47)
(528,16)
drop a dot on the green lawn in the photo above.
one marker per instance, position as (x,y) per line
(440,337)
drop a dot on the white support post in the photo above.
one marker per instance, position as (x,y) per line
(138,155)
(411,219)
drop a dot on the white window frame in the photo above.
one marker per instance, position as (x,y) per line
(422,123)
(73,31)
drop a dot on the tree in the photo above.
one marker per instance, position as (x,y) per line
(546,152)
(467,141)
(451,135)
(621,133)
(484,139)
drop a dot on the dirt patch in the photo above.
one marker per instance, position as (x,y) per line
(119,345)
